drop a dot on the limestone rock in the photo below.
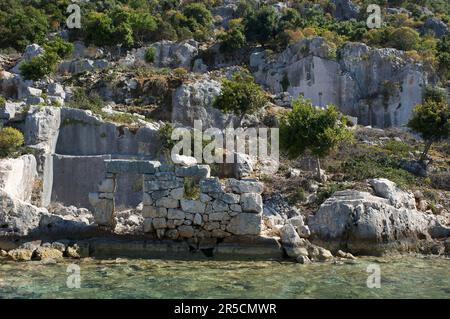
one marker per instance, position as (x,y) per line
(251,203)
(378,86)
(345,10)
(366,223)
(18,217)
(17,176)
(389,190)
(45,253)
(245,224)
(193,101)
(435,26)
(20,254)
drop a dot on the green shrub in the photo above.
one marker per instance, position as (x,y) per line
(241,95)
(2,101)
(298,196)
(63,49)
(376,164)
(150,55)
(232,40)
(22,26)
(80,100)
(39,66)
(404,38)
(10,141)
(262,25)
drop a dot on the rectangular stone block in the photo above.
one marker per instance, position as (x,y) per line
(168,202)
(192,206)
(131,166)
(196,171)
(210,185)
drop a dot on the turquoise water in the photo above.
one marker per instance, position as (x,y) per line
(401,277)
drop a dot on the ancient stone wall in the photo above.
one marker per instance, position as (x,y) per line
(184,201)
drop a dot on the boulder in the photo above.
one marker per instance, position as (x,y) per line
(18,217)
(20,254)
(45,253)
(193,101)
(435,26)
(365,223)
(398,198)
(345,10)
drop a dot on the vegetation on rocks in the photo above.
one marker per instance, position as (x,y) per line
(241,96)
(11,140)
(311,128)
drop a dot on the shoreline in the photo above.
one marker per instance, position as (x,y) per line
(258,248)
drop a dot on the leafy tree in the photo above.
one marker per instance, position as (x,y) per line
(262,25)
(233,39)
(432,120)
(198,13)
(10,140)
(241,96)
(316,129)
(22,27)
(143,26)
(290,19)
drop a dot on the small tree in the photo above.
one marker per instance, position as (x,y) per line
(262,25)
(432,120)
(311,128)
(10,140)
(240,96)
(232,40)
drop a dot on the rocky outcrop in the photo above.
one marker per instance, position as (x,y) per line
(363,223)
(168,54)
(194,100)
(30,52)
(17,176)
(18,218)
(345,10)
(378,86)
(435,26)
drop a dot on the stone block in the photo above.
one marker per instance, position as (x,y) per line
(175,214)
(192,206)
(251,203)
(196,171)
(210,185)
(131,166)
(245,186)
(168,202)
(245,224)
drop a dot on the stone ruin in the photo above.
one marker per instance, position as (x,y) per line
(183,201)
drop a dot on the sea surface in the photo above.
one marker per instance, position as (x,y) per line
(400,277)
